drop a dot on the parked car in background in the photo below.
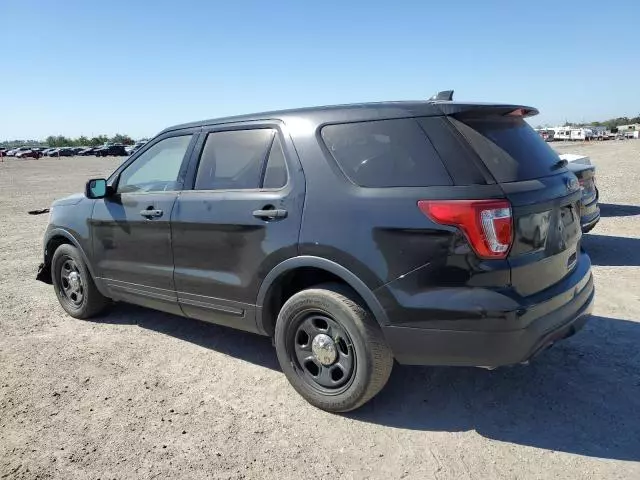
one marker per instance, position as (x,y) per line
(589,210)
(61,152)
(585,171)
(33,153)
(111,151)
(66,152)
(13,152)
(249,222)
(46,151)
(87,151)
(546,134)
(137,146)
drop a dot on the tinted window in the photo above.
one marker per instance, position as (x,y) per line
(156,169)
(509,147)
(454,150)
(275,176)
(386,153)
(233,160)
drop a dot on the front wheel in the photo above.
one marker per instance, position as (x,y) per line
(74,287)
(331,349)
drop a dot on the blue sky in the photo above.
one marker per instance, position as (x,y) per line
(91,67)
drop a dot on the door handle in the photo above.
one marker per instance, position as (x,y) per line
(270,213)
(151,213)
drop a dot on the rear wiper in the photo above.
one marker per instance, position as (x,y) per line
(559,164)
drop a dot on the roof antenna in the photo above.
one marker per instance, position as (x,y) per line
(446,95)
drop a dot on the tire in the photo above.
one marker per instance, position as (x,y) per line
(73,284)
(362,361)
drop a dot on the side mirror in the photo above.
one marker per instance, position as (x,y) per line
(96,188)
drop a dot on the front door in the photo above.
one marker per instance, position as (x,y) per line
(241,218)
(131,228)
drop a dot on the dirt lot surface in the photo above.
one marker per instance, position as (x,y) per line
(141,394)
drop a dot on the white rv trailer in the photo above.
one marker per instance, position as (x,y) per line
(572,133)
(581,134)
(561,133)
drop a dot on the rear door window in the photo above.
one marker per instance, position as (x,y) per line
(386,153)
(511,150)
(232,160)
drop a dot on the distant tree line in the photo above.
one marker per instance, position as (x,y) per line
(62,141)
(611,124)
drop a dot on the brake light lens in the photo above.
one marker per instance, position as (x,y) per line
(487,224)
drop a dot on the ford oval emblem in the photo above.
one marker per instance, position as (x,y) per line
(572,184)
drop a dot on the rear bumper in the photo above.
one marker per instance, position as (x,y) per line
(415,346)
(496,338)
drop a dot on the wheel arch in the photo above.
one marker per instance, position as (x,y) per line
(265,317)
(60,236)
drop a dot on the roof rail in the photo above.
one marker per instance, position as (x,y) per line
(443,95)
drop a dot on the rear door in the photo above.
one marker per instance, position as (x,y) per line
(241,218)
(544,196)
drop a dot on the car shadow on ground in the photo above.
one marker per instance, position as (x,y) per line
(249,347)
(617,210)
(582,396)
(611,250)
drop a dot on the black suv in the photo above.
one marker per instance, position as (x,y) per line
(111,151)
(432,233)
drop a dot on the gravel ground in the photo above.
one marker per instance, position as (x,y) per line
(142,394)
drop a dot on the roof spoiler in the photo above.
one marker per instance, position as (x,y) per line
(446,95)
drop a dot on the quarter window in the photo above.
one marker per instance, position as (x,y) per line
(157,169)
(385,153)
(275,175)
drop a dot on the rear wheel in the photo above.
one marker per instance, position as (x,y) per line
(74,287)
(331,349)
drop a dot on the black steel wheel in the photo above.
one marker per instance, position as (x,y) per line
(323,351)
(72,282)
(331,349)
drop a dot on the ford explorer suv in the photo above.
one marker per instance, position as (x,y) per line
(429,232)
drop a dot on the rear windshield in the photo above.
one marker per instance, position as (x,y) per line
(509,147)
(386,153)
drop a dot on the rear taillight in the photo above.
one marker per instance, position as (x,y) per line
(487,224)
